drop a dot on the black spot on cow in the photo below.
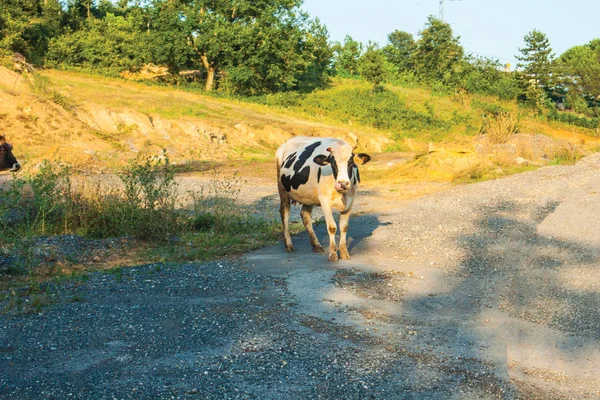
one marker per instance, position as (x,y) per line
(334,167)
(294,181)
(319,175)
(357,175)
(351,166)
(289,160)
(305,155)
(300,175)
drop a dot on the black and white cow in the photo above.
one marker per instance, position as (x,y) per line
(318,172)
(7,160)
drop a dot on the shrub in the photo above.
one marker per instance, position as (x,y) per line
(574,119)
(145,208)
(499,126)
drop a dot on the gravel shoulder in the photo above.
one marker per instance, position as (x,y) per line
(483,291)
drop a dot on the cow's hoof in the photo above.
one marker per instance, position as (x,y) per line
(289,249)
(344,255)
(318,249)
(333,257)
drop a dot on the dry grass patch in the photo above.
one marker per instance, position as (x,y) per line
(500,126)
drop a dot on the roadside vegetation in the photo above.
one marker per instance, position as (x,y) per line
(142,207)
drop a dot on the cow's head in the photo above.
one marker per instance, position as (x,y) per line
(344,164)
(7,160)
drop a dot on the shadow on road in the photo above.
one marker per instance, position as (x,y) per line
(520,318)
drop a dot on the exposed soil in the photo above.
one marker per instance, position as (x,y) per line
(483,291)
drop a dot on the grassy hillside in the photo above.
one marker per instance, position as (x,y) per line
(98,122)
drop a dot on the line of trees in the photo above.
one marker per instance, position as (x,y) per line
(249,46)
(436,58)
(261,46)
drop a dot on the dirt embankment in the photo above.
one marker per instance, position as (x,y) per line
(88,133)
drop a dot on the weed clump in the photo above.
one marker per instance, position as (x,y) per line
(499,124)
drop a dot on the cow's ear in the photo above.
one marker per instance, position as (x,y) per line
(321,159)
(362,158)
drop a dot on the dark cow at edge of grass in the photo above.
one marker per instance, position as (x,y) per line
(318,172)
(7,160)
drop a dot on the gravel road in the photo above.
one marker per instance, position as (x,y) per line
(483,291)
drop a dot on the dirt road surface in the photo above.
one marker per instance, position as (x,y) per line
(483,291)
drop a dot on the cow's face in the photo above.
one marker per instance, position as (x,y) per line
(7,160)
(344,164)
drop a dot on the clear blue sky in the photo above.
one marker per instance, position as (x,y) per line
(493,28)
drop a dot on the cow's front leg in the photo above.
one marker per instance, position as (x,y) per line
(331,228)
(284,210)
(306,214)
(344,217)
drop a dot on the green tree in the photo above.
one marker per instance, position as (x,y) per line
(79,11)
(114,43)
(399,50)
(167,35)
(536,60)
(438,54)
(252,45)
(346,56)
(485,75)
(317,46)
(371,66)
(581,69)
(26,26)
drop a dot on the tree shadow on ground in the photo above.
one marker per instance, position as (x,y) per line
(520,321)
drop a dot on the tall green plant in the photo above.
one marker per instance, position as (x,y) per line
(399,50)
(372,67)
(346,57)
(535,65)
(438,54)
(37,205)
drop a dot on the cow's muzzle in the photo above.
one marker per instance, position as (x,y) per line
(342,186)
(15,167)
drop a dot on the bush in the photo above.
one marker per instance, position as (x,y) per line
(112,44)
(46,203)
(574,119)
(500,126)
(145,208)
(499,123)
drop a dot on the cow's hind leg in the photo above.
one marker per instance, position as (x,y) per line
(344,254)
(331,228)
(306,214)
(284,210)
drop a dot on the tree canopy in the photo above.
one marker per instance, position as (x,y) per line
(253,47)
(346,56)
(582,68)
(536,59)
(399,50)
(438,53)
(371,66)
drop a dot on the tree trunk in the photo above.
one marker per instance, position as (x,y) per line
(210,73)
(209,66)
(210,79)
